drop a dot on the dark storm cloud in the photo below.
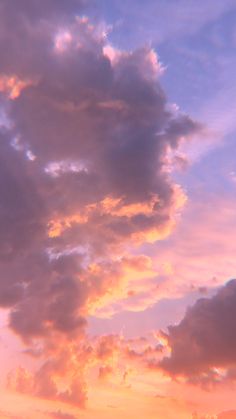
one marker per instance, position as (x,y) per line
(205,339)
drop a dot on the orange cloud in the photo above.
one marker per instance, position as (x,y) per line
(12,85)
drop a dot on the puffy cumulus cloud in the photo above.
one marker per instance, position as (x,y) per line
(65,367)
(51,300)
(203,344)
(61,376)
(121,284)
(83,176)
(121,359)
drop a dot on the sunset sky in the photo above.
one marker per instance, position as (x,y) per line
(117,209)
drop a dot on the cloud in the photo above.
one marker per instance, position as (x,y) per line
(203,344)
(83,178)
(227,415)
(35,10)
(5,415)
(61,415)
(60,375)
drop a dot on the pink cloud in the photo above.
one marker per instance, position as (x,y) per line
(83,182)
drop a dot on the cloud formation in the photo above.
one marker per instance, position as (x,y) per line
(84,144)
(203,344)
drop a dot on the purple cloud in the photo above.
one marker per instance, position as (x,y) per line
(82,171)
(204,342)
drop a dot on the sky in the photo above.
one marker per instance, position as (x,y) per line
(117,209)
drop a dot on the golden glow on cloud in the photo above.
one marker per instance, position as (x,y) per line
(117,208)
(132,278)
(108,205)
(57,227)
(12,85)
